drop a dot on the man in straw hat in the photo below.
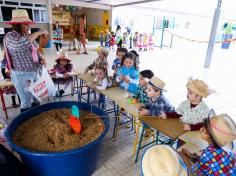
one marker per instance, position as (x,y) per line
(218,131)
(22,57)
(162,160)
(193,111)
(157,104)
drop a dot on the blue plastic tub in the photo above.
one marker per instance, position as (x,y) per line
(77,162)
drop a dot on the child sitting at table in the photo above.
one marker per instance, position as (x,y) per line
(136,58)
(117,62)
(6,75)
(218,131)
(127,76)
(101,60)
(193,110)
(144,78)
(101,80)
(61,72)
(157,104)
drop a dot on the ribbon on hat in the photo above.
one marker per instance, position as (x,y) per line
(214,126)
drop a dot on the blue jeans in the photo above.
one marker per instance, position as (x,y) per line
(19,79)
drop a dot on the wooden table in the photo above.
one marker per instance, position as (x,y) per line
(172,128)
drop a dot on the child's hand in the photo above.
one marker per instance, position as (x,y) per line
(126,79)
(187,127)
(66,75)
(163,116)
(143,112)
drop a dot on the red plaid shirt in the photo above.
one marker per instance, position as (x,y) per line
(20,50)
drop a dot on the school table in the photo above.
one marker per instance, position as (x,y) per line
(170,127)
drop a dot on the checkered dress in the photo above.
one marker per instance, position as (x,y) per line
(215,162)
(141,94)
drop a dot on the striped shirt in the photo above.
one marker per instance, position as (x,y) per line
(20,50)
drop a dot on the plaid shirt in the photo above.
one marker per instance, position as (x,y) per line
(159,107)
(141,94)
(20,50)
(215,162)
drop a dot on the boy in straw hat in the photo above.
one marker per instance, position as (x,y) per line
(62,71)
(218,131)
(101,61)
(162,160)
(193,110)
(157,104)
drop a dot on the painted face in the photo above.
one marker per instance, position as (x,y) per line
(128,62)
(63,62)
(204,134)
(120,55)
(24,28)
(193,97)
(99,74)
(142,81)
(151,92)
(101,55)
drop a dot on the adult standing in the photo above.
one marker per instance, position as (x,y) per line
(118,36)
(58,36)
(22,57)
(82,30)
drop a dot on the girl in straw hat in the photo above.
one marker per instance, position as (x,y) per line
(193,111)
(162,160)
(101,60)
(62,71)
(217,131)
(22,57)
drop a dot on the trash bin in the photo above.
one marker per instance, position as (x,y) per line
(76,162)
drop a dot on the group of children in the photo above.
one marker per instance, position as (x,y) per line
(193,112)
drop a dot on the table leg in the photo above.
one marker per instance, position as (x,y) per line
(136,139)
(3,102)
(140,143)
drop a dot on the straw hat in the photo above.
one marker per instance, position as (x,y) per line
(223,129)
(198,87)
(20,16)
(104,51)
(63,55)
(157,83)
(162,160)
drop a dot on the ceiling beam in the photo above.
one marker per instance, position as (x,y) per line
(136,2)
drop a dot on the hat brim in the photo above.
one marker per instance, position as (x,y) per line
(157,88)
(20,22)
(63,58)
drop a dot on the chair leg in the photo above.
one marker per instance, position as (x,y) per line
(140,143)
(3,103)
(157,135)
(116,122)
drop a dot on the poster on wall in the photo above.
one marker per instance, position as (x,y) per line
(62,17)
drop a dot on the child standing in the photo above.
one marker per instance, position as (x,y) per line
(145,42)
(157,104)
(112,41)
(135,40)
(107,38)
(101,60)
(140,42)
(117,62)
(101,38)
(193,111)
(217,131)
(150,42)
(62,71)
(144,78)
(127,75)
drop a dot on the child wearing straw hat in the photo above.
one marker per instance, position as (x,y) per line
(162,160)
(193,111)
(157,104)
(101,60)
(218,131)
(62,71)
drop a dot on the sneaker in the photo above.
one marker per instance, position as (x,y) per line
(58,52)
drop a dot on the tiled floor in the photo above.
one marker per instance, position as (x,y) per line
(174,66)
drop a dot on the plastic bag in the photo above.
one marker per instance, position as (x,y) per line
(43,87)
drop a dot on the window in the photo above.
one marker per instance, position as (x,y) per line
(11,3)
(43,16)
(26,4)
(40,5)
(7,13)
(37,15)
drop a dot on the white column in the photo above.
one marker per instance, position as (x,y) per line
(213,35)
(50,21)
